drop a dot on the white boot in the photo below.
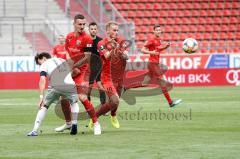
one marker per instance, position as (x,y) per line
(97,128)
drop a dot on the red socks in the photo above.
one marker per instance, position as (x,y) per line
(66,110)
(90,109)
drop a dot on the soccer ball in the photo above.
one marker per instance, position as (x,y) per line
(190,45)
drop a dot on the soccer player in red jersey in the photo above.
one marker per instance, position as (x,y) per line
(153,47)
(79,46)
(107,52)
(59,50)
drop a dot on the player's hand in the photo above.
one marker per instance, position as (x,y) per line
(40,103)
(75,71)
(154,52)
(125,55)
(70,63)
(167,45)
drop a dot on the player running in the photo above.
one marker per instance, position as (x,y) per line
(60,84)
(153,47)
(95,64)
(79,47)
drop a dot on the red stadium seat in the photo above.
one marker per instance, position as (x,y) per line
(231,35)
(157,6)
(215,36)
(216,28)
(185,28)
(132,6)
(125,6)
(132,14)
(227,13)
(173,6)
(212,5)
(154,21)
(203,13)
(149,6)
(236,5)
(141,6)
(204,6)
(223,35)
(235,12)
(219,13)
(138,21)
(220,5)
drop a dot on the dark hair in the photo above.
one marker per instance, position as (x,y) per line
(78,16)
(41,55)
(156,26)
(92,24)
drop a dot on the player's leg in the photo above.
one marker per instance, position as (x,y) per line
(164,87)
(112,104)
(119,88)
(91,82)
(50,97)
(156,71)
(74,112)
(82,94)
(82,90)
(70,94)
(102,94)
(66,109)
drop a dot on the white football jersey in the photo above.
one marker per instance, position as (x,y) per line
(58,72)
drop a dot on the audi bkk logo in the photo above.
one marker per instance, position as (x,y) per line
(233,76)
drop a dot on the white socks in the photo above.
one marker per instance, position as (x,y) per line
(39,118)
(75,111)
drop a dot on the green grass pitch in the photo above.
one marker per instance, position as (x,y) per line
(205,126)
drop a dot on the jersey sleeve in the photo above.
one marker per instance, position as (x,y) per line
(101,48)
(54,51)
(67,44)
(88,42)
(43,69)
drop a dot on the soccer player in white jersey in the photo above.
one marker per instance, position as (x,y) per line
(60,84)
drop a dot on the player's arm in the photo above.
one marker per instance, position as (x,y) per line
(101,47)
(145,48)
(84,60)
(161,48)
(54,52)
(68,56)
(124,45)
(42,84)
(125,55)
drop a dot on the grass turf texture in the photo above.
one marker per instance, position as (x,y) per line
(212,130)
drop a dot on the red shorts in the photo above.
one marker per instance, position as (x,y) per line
(155,71)
(118,84)
(109,88)
(81,81)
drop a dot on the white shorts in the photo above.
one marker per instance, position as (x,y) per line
(53,96)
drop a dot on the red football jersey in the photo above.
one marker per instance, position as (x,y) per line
(118,63)
(153,44)
(76,45)
(60,52)
(113,68)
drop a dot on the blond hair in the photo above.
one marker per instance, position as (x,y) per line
(110,23)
